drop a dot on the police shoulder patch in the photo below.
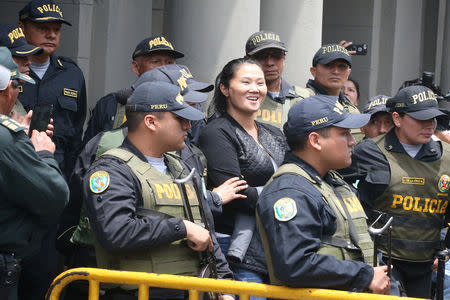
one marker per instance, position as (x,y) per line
(99,182)
(285,209)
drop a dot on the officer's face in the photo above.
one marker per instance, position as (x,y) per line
(45,35)
(331,76)
(349,90)
(173,131)
(380,123)
(149,62)
(23,63)
(411,131)
(247,90)
(272,60)
(337,148)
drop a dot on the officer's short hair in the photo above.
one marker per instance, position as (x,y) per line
(135,118)
(298,142)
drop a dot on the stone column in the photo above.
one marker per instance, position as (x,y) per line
(299,24)
(210,32)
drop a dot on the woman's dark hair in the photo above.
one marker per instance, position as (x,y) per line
(224,77)
(356,85)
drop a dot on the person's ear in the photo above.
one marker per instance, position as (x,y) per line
(151,122)
(313,71)
(396,119)
(135,67)
(225,91)
(314,140)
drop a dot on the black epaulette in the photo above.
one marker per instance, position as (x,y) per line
(10,123)
(62,59)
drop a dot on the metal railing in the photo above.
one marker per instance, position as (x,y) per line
(194,285)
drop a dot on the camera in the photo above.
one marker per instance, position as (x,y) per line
(361,48)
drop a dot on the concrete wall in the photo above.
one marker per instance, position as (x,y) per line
(402,36)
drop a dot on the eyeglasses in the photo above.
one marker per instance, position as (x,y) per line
(263,55)
(15,83)
(341,66)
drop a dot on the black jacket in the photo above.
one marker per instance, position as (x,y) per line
(232,152)
(62,86)
(33,193)
(115,223)
(294,243)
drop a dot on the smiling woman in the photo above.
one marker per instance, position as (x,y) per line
(236,145)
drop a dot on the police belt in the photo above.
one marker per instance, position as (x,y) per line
(408,244)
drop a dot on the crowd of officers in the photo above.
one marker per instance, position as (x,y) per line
(113,199)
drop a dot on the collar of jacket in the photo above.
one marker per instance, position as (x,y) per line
(429,152)
(291,158)
(286,91)
(318,89)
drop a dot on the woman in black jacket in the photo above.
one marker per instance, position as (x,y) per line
(237,145)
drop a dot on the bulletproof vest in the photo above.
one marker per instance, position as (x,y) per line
(83,233)
(341,244)
(417,197)
(274,113)
(161,198)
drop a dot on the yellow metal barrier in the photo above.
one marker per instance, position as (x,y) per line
(194,286)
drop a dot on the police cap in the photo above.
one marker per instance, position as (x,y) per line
(162,96)
(417,101)
(7,61)
(320,111)
(376,104)
(263,40)
(155,44)
(12,36)
(40,11)
(192,90)
(331,52)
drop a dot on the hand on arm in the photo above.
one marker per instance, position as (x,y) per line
(229,190)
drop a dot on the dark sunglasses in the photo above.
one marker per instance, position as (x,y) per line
(265,55)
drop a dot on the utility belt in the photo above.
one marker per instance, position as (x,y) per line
(9,270)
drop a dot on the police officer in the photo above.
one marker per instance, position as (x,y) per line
(59,81)
(12,37)
(141,174)
(109,112)
(380,119)
(267,48)
(312,226)
(331,67)
(404,173)
(31,183)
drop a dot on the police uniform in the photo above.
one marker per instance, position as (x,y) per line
(32,188)
(312,226)
(274,111)
(294,220)
(12,37)
(109,111)
(62,86)
(154,239)
(413,190)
